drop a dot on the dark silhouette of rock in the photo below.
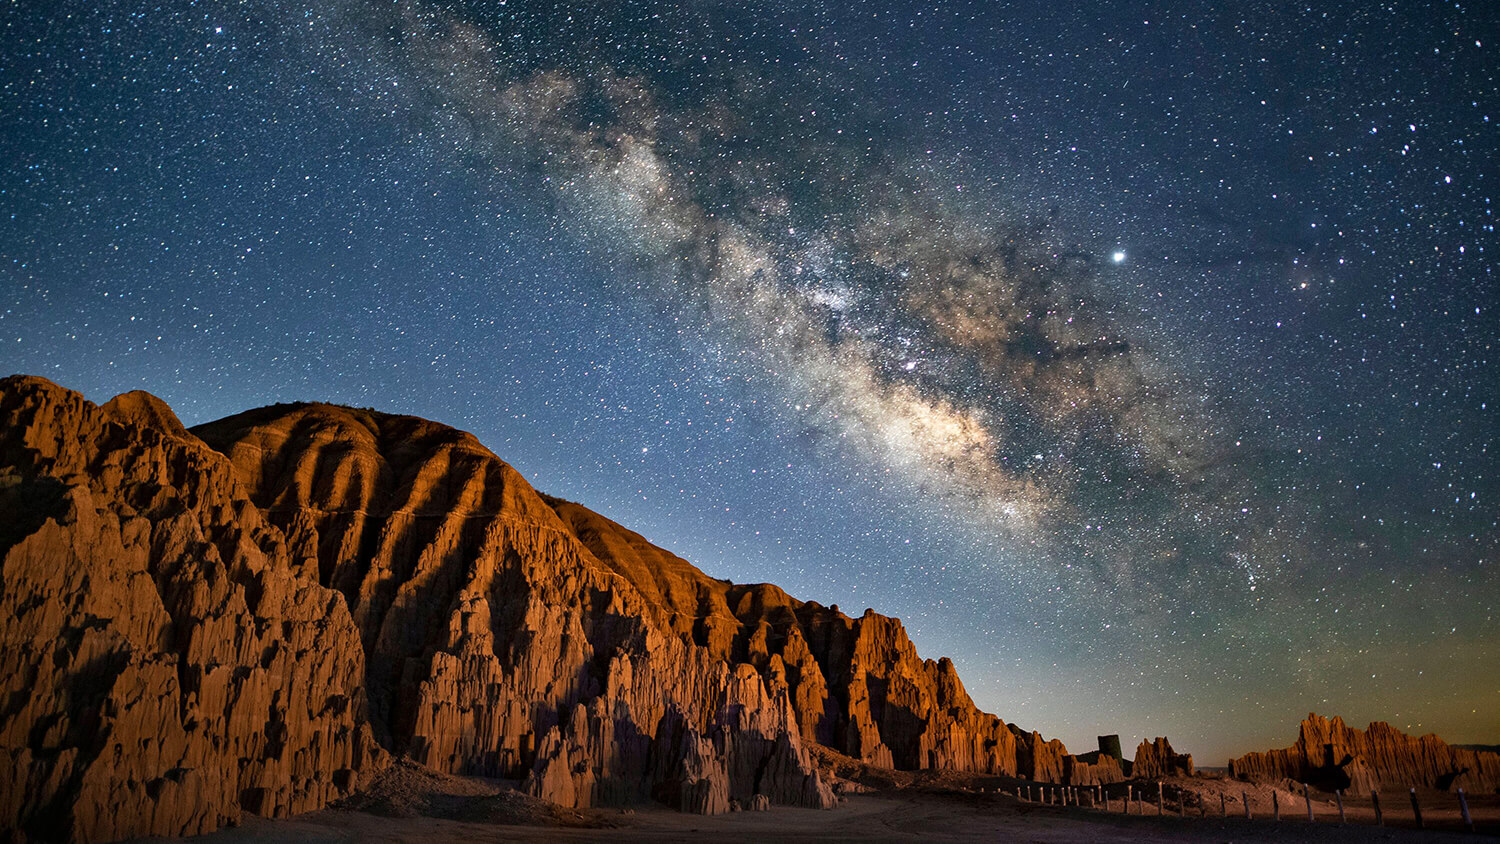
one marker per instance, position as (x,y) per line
(252,616)
(1331,755)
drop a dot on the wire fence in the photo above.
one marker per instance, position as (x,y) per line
(1154,798)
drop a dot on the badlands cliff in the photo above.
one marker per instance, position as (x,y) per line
(1332,755)
(257,615)
(166,666)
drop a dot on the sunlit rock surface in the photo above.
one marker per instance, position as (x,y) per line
(1332,755)
(253,616)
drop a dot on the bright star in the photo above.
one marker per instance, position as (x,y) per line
(1118,257)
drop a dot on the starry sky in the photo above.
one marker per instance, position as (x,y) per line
(1140,356)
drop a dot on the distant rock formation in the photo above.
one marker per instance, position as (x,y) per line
(253,616)
(1096,768)
(1156,759)
(1331,755)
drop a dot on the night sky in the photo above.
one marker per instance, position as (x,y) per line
(1143,358)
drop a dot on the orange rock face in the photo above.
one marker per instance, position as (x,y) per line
(344,484)
(1092,769)
(251,616)
(1156,759)
(166,668)
(1331,755)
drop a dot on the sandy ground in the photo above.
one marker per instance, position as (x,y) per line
(914,813)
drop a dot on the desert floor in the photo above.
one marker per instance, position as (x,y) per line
(477,812)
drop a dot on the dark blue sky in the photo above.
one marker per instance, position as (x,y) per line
(1141,358)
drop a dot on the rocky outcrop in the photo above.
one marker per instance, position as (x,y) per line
(249,617)
(499,642)
(1039,759)
(857,685)
(339,482)
(166,667)
(1331,755)
(1156,759)
(1095,768)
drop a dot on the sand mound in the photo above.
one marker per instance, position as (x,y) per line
(408,790)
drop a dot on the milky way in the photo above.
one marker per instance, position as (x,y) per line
(1141,362)
(923,332)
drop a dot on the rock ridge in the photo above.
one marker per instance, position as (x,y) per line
(1330,755)
(166,670)
(255,616)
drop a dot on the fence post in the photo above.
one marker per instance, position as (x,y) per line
(1275,804)
(1245,795)
(1223,806)
(1463,806)
(1375,801)
(1339,796)
(1307,798)
(1416,810)
(1158,798)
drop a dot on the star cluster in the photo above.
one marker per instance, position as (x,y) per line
(1141,359)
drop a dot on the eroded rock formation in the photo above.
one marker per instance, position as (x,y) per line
(1096,768)
(250,616)
(166,667)
(1156,759)
(1332,755)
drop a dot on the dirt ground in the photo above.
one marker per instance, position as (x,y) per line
(413,805)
